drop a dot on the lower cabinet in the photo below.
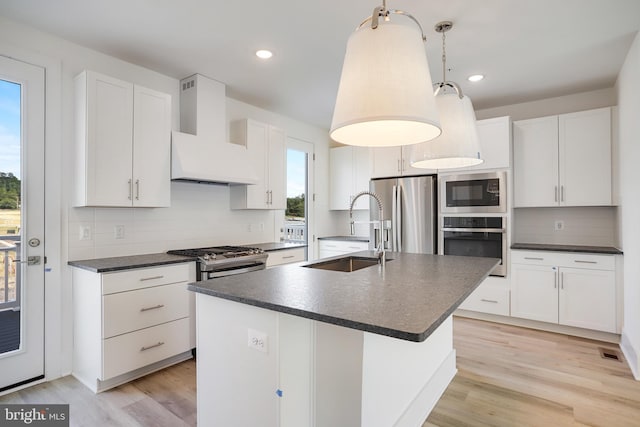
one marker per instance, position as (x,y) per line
(286,256)
(492,297)
(569,289)
(132,322)
(328,248)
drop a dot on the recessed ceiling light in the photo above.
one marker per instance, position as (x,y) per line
(264,54)
(475,78)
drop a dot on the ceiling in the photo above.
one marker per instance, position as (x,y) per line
(528,49)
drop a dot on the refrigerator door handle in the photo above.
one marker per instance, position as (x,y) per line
(399,217)
(394,225)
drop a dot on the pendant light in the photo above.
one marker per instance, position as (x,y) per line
(458,146)
(385,97)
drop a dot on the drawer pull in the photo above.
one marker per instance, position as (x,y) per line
(534,258)
(288,257)
(155,307)
(144,279)
(489,300)
(158,344)
(354,247)
(585,262)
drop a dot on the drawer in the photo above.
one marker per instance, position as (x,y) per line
(146,277)
(342,246)
(129,311)
(564,259)
(285,256)
(134,350)
(488,299)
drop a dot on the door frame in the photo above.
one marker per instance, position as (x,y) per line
(57,346)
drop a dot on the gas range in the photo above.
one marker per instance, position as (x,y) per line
(221,261)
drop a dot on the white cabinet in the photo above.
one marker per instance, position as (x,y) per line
(267,154)
(495,143)
(328,248)
(130,323)
(492,296)
(563,160)
(285,256)
(394,161)
(350,171)
(570,289)
(123,143)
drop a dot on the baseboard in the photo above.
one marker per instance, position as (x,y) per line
(542,326)
(98,386)
(630,354)
(426,400)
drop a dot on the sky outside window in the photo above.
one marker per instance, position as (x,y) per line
(10,128)
(296,172)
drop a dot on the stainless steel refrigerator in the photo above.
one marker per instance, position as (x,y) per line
(411,206)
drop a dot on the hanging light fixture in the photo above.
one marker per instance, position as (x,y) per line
(458,145)
(385,97)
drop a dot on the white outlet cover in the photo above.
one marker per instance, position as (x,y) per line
(85,232)
(258,340)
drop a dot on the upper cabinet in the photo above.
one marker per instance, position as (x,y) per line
(563,160)
(123,143)
(394,161)
(495,143)
(267,155)
(350,171)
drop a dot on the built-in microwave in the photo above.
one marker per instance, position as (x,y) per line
(473,193)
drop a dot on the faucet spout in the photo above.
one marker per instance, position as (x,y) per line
(380,243)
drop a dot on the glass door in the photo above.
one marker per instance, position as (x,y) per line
(21,223)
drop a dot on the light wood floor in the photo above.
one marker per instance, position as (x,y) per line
(507,376)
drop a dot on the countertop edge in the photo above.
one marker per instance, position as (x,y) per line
(605,250)
(83,264)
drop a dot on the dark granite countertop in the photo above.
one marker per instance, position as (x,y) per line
(276,246)
(409,300)
(567,248)
(104,265)
(346,238)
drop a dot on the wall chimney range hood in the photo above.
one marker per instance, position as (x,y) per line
(200,151)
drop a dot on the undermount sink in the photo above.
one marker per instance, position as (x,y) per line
(346,264)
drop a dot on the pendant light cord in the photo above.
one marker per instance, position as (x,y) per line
(444,58)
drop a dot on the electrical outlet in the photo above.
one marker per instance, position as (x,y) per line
(559,225)
(258,340)
(85,232)
(118,231)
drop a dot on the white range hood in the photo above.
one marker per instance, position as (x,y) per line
(200,152)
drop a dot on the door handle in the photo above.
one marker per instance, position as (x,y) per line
(31,260)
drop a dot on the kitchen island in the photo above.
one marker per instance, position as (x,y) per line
(305,346)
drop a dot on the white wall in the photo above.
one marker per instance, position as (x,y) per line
(628,88)
(199,215)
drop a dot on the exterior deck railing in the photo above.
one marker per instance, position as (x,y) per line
(294,232)
(10,272)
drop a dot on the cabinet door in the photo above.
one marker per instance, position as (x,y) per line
(109,141)
(588,299)
(405,164)
(534,292)
(151,148)
(495,143)
(277,169)
(257,140)
(535,162)
(585,158)
(341,177)
(386,162)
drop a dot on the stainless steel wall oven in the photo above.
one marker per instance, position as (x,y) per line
(476,236)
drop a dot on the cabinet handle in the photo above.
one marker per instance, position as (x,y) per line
(562,193)
(144,279)
(288,257)
(155,307)
(353,247)
(129,183)
(585,262)
(158,344)
(266,197)
(555,280)
(561,280)
(137,189)
(534,258)
(556,193)
(271,197)
(489,300)
(399,170)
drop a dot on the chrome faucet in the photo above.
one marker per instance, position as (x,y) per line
(380,243)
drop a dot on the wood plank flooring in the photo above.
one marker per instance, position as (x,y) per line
(507,376)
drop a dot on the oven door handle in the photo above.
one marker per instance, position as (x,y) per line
(216,274)
(477,230)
